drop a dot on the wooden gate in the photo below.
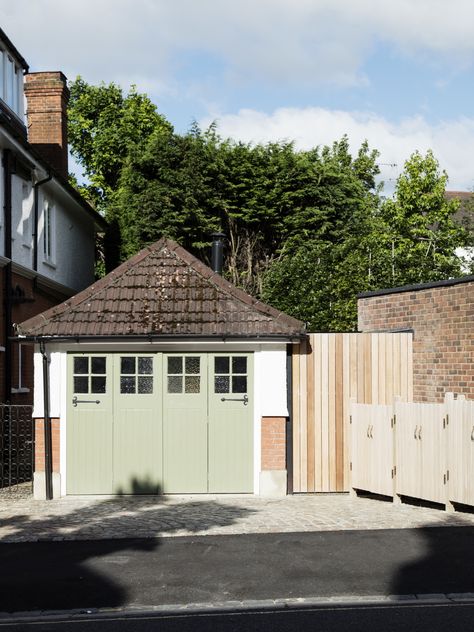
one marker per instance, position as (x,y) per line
(329,370)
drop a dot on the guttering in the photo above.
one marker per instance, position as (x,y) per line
(418,287)
(162,338)
(36,218)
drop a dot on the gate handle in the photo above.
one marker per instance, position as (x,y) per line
(245,399)
(419,433)
(76,401)
(472,434)
(416,430)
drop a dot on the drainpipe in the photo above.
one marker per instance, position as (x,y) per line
(48,449)
(35,219)
(7,208)
(217,256)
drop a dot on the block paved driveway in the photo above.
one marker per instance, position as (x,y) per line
(92,518)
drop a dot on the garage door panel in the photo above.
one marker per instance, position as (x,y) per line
(89,428)
(185,423)
(231,423)
(137,447)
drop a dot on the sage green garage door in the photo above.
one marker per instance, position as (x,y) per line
(151,423)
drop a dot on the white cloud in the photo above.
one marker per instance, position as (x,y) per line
(274,40)
(451,141)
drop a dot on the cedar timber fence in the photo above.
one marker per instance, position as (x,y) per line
(420,450)
(328,370)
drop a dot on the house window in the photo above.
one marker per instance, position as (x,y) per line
(20,388)
(11,83)
(48,232)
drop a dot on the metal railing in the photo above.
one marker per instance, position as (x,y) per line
(16,448)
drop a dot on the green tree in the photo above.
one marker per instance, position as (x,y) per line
(420,233)
(104,126)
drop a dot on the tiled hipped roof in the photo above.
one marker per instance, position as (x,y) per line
(162,291)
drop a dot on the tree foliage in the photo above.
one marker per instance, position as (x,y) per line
(307,230)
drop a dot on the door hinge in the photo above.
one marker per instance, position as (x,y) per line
(350,419)
(350,466)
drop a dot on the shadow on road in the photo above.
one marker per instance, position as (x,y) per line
(442,563)
(60,574)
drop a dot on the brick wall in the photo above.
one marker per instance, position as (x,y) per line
(273,443)
(442,318)
(39,444)
(47,96)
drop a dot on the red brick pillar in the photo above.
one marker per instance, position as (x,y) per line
(273,475)
(39,484)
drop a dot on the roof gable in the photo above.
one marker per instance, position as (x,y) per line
(162,291)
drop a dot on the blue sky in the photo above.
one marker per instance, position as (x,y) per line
(397,73)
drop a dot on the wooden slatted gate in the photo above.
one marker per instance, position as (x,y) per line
(327,371)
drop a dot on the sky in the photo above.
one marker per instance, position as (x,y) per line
(398,73)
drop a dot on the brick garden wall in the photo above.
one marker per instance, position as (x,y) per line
(442,319)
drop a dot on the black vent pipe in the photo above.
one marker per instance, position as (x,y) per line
(217,257)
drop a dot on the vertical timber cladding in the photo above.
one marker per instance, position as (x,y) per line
(329,370)
(151,422)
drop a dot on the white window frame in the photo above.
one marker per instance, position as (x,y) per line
(11,83)
(49,232)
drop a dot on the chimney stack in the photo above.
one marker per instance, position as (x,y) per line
(47,97)
(217,256)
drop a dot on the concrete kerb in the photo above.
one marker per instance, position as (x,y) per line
(228,607)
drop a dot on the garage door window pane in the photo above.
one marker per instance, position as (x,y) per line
(97,384)
(175,366)
(81,384)
(145,385)
(239,384)
(221,365)
(98,365)
(192,384)
(145,366)
(221,384)
(239,365)
(127,385)
(192,365)
(81,366)
(175,384)
(127,366)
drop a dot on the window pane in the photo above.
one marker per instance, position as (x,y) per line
(221,365)
(81,366)
(145,385)
(127,385)
(127,366)
(175,384)
(175,365)
(97,365)
(81,385)
(192,365)
(97,384)
(145,366)
(239,365)
(221,385)
(239,384)
(192,384)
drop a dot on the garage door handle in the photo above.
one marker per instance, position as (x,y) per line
(76,401)
(244,399)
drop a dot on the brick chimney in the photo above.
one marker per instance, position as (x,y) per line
(47,97)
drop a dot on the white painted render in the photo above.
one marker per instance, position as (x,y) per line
(270,382)
(73,232)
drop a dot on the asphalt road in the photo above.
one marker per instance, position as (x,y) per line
(364,618)
(209,569)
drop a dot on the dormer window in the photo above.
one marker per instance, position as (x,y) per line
(11,83)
